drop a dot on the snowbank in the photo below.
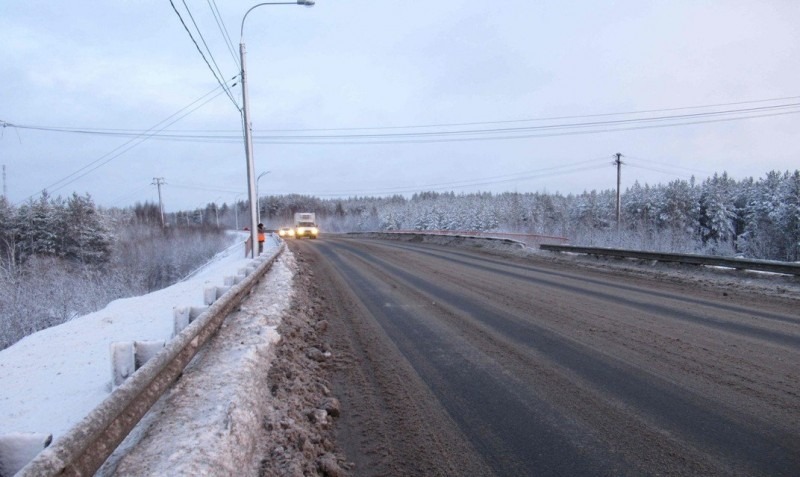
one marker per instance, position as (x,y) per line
(50,380)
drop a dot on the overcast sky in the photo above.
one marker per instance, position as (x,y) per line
(380,71)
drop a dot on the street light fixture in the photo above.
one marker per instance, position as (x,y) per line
(248,136)
(258,194)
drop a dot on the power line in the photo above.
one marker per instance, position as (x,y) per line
(208,50)
(128,145)
(129,195)
(523,175)
(224,31)
(537,131)
(661,170)
(203,187)
(549,126)
(519,176)
(551,118)
(495,138)
(457,136)
(671,166)
(218,78)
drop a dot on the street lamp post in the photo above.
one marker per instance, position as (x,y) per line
(236,207)
(216,210)
(258,194)
(248,137)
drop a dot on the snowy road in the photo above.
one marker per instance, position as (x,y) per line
(451,362)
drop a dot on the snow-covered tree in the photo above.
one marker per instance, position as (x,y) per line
(718,214)
(8,232)
(36,225)
(86,237)
(762,223)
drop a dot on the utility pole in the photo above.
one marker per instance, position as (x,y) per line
(5,189)
(618,163)
(159,181)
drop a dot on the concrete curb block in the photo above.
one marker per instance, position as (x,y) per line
(17,449)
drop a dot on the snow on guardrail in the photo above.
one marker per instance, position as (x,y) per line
(84,448)
(787,268)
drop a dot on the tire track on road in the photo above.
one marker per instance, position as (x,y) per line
(791,340)
(462,343)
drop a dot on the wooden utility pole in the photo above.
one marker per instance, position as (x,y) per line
(159,181)
(618,163)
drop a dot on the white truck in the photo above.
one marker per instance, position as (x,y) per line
(305,225)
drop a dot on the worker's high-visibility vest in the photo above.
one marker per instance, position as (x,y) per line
(260,236)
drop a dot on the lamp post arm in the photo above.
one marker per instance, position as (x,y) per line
(307,3)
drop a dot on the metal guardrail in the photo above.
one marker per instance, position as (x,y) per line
(527,239)
(787,268)
(84,448)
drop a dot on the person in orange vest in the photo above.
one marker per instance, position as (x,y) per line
(261,238)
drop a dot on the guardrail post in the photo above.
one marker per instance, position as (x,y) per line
(19,448)
(128,356)
(212,294)
(181,319)
(184,315)
(143,351)
(123,362)
(196,311)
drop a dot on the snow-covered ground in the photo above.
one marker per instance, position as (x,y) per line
(50,380)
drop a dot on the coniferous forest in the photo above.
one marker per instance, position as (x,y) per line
(60,258)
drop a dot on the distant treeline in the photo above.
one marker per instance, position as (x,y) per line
(63,258)
(753,218)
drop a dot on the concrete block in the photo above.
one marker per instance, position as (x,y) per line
(209,295)
(196,311)
(181,319)
(18,449)
(143,351)
(123,362)
(221,291)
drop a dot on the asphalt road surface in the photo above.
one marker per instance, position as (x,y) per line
(454,362)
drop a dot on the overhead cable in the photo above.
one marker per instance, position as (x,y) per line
(470,134)
(224,31)
(208,50)
(133,142)
(181,185)
(581,166)
(550,118)
(218,78)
